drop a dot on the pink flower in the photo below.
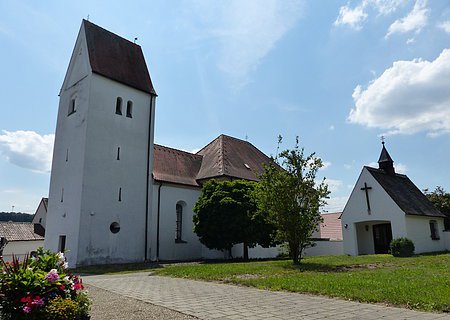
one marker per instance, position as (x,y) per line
(52,276)
(26,309)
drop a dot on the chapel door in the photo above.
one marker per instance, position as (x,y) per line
(382,236)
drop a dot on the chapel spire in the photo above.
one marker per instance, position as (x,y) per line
(385,161)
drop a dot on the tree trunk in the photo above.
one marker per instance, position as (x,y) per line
(294,251)
(245,251)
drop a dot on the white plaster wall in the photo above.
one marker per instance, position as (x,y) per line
(418,230)
(20,249)
(446,236)
(257,252)
(170,195)
(103,175)
(326,248)
(63,217)
(383,208)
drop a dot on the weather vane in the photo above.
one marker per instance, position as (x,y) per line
(382,139)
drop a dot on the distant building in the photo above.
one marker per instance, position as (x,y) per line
(18,239)
(40,217)
(385,205)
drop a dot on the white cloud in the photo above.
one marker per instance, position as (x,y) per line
(414,21)
(246,30)
(335,204)
(331,128)
(409,97)
(351,17)
(355,17)
(28,149)
(326,164)
(445,26)
(410,41)
(333,185)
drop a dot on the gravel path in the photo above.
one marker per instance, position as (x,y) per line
(111,306)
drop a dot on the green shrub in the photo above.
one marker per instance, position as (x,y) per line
(402,247)
(32,288)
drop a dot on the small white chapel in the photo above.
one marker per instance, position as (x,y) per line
(385,205)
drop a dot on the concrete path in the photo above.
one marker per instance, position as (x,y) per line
(207,300)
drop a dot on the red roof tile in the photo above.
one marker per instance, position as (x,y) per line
(18,231)
(331,226)
(117,58)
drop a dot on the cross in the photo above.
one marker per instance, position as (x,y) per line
(382,139)
(366,189)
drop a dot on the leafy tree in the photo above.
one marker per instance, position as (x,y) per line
(226,214)
(292,198)
(441,200)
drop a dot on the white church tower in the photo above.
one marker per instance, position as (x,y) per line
(100,193)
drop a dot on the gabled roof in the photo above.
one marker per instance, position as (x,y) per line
(18,231)
(175,166)
(331,226)
(224,157)
(405,193)
(230,157)
(117,58)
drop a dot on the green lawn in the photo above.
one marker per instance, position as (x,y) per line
(421,282)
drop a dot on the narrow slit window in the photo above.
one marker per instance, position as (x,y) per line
(119,106)
(129,108)
(179,221)
(118,153)
(62,194)
(120,194)
(62,244)
(72,106)
(67,155)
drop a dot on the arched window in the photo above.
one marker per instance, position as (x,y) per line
(179,222)
(129,108)
(119,106)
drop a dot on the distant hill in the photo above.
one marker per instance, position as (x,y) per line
(16,216)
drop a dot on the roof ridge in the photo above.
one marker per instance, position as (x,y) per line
(177,150)
(106,30)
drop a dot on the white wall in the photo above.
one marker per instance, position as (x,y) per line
(20,248)
(446,236)
(383,208)
(40,217)
(325,248)
(418,230)
(257,252)
(170,195)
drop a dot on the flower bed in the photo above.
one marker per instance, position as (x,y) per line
(41,287)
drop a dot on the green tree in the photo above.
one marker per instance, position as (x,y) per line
(290,195)
(226,214)
(441,200)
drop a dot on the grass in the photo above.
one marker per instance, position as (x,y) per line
(421,282)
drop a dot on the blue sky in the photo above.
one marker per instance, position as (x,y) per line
(339,74)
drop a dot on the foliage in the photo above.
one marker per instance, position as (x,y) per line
(61,309)
(226,214)
(29,288)
(292,198)
(16,216)
(402,247)
(441,200)
(419,282)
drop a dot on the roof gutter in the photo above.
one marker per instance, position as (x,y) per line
(149,143)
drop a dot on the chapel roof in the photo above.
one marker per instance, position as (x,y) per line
(117,58)
(18,231)
(405,193)
(224,157)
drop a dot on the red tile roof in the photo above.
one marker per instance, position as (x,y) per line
(224,157)
(331,226)
(175,166)
(18,231)
(117,58)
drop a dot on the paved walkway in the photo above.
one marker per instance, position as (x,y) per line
(207,300)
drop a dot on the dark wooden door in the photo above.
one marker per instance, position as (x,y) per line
(382,236)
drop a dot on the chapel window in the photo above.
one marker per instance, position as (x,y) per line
(118,153)
(129,108)
(62,194)
(62,244)
(72,106)
(119,106)
(179,222)
(434,230)
(120,194)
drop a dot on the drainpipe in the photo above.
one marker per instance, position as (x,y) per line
(157,221)
(149,143)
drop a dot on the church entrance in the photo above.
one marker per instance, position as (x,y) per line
(382,236)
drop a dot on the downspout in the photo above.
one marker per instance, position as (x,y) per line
(157,221)
(148,179)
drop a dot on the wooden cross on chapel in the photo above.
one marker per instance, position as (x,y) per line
(366,189)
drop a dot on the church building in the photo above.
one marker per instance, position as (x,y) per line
(385,205)
(115,196)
